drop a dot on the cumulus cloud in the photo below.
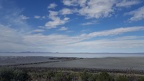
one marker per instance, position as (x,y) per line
(74,2)
(55,20)
(137,14)
(92,8)
(69,2)
(99,8)
(89,8)
(66,11)
(52,6)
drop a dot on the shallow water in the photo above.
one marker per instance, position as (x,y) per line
(122,63)
(82,55)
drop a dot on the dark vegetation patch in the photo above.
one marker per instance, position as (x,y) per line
(13,74)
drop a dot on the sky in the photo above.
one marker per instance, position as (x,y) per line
(94,26)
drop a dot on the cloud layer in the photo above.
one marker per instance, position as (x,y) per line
(64,42)
(16,34)
(137,14)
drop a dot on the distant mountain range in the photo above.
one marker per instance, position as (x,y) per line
(72,52)
(28,52)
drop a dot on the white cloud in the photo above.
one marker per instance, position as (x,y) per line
(116,31)
(13,17)
(137,14)
(127,3)
(64,43)
(8,34)
(52,14)
(63,29)
(55,20)
(13,27)
(74,2)
(109,45)
(10,39)
(92,8)
(57,40)
(38,30)
(88,8)
(89,23)
(69,2)
(97,8)
(52,6)
(45,40)
(82,2)
(37,17)
(66,11)
(129,37)
(24,17)
(54,42)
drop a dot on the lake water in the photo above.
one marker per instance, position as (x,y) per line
(82,55)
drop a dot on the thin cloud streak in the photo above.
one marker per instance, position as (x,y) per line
(56,39)
(137,14)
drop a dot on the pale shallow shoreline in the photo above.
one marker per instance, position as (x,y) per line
(121,63)
(79,55)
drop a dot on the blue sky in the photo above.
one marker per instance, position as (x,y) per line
(72,25)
